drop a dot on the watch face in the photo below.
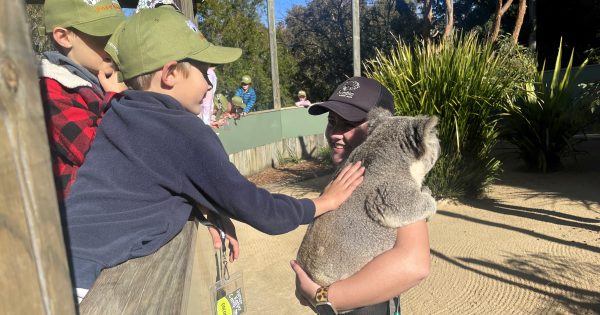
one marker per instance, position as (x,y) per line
(325,309)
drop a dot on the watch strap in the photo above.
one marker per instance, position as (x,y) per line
(322,294)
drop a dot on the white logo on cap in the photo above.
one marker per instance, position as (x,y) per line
(348,88)
(192,26)
(114,47)
(91,2)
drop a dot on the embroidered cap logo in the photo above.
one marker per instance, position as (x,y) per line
(192,26)
(348,89)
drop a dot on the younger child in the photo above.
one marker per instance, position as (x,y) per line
(247,93)
(153,159)
(77,81)
(302,100)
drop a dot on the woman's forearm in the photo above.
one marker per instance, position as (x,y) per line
(388,274)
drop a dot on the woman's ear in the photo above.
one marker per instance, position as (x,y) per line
(169,74)
(63,37)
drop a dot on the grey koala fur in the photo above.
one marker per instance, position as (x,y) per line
(397,154)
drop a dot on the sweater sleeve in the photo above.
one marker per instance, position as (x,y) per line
(239,92)
(216,183)
(251,100)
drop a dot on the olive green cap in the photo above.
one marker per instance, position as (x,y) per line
(246,79)
(92,17)
(149,39)
(301,93)
(238,102)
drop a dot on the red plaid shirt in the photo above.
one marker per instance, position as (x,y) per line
(72,116)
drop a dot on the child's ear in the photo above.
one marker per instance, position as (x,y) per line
(169,74)
(62,37)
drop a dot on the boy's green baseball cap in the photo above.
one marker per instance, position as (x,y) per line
(151,38)
(238,102)
(92,17)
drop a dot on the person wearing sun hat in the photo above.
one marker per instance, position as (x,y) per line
(153,160)
(76,81)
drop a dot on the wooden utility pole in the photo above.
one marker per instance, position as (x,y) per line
(273,48)
(187,8)
(356,37)
(33,265)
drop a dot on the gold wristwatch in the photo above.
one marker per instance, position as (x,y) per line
(323,306)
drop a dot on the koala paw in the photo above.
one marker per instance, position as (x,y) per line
(425,190)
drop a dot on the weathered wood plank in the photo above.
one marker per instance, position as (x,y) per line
(33,262)
(254,160)
(156,284)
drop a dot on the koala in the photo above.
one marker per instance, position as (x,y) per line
(397,154)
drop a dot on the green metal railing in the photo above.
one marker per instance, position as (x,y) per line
(265,127)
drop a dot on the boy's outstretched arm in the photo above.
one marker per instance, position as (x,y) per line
(339,189)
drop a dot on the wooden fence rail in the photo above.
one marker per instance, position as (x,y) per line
(34,272)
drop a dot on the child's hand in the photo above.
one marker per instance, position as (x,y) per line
(111,83)
(230,235)
(340,188)
(218,124)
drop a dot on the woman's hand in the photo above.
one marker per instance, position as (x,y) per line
(306,288)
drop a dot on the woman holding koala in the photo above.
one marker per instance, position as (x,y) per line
(371,290)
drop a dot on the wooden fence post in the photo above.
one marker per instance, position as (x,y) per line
(34,272)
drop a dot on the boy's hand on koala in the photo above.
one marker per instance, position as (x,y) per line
(340,188)
(111,83)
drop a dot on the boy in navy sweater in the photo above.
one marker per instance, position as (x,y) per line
(153,158)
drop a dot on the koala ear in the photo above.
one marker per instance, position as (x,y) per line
(376,116)
(431,123)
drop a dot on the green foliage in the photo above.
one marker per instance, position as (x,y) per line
(324,155)
(589,97)
(288,155)
(459,81)
(519,63)
(237,23)
(35,19)
(546,117)
(319,35)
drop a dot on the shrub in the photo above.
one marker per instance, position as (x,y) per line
(545,118)
(324,155)
(460,82)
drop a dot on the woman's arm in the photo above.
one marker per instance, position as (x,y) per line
(387,275)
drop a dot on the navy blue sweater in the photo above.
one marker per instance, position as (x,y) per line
(149,159)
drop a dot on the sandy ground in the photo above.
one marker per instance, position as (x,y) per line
(531,247)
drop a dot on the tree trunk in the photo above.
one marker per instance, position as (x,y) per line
(33,263)
(500,10)
(427,19)
(533,19)
(449,18)
(519,22)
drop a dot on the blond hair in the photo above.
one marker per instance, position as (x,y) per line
(142,81)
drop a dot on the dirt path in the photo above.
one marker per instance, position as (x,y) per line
(531,247)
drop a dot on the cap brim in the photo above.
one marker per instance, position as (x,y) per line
(103,27)
(344,110)
(217,54)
